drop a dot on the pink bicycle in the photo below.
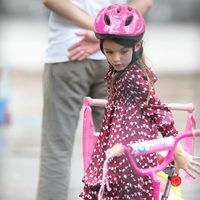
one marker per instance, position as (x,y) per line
(167,144)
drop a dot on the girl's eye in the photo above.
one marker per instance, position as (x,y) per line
(108,52)
(124,51)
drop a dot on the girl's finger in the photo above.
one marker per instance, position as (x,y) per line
(193,162)
(196,158)
(193,169)
(189,172)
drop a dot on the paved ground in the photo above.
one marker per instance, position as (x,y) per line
(20,141)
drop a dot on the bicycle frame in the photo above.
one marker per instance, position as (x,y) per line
(90,136)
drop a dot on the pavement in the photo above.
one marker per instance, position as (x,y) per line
(20,139)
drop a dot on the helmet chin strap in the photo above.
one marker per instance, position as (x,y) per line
(137,54)
(101,45)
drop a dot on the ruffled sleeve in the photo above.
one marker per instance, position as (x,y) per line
(160,116)
(158,113)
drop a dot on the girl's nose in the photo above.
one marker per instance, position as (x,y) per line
(116,57)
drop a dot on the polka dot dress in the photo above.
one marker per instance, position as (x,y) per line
(133,114)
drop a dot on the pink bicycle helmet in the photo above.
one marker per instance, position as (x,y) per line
(120,21)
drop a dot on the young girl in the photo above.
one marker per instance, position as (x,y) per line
(133,114)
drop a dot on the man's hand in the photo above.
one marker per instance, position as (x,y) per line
(87,46)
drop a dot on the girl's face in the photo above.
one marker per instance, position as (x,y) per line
(117,55)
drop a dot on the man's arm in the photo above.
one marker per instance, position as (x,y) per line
(142,5)
(71,12)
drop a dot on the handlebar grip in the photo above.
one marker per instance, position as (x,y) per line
(116,150)
(196,132)
(181,107)
(88,101)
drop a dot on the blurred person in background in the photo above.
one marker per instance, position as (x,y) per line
(74,68)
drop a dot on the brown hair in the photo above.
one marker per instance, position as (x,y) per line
(137,59)
(141,64)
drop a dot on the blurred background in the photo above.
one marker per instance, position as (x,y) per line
(171,44)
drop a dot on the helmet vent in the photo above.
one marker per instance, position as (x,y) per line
(128,20)
(129,8)
(118,10)
(107,20)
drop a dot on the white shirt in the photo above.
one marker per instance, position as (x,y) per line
(61,34)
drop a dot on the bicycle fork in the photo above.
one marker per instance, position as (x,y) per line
(166,193)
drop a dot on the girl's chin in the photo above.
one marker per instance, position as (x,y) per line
(119,69)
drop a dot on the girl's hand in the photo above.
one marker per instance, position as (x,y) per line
(190,164)
(87,46)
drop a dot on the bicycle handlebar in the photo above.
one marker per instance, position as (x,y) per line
(146,147)
(88,101)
